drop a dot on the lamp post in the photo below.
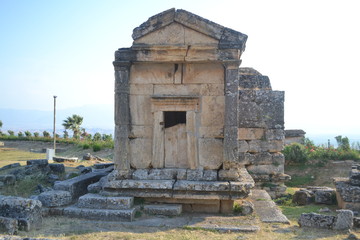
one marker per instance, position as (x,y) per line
(54,134)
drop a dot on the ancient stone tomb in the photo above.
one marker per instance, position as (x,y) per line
(184,118)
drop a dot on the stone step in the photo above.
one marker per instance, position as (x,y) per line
(96,201)
(163,209)
(100,214)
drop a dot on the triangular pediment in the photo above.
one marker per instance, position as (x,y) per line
(178,35)
(165,25)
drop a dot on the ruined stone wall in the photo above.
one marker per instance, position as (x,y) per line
(261,131)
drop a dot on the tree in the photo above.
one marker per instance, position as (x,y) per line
(343,143)
(1,124)
(73,123)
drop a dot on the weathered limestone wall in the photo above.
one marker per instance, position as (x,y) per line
(261,131)
(151,85)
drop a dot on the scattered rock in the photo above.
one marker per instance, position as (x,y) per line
(65,159)
(85,170)
(89,156)
(40,163)
(356,222)
(52,178)
(247,208)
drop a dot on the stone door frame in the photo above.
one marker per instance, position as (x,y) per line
(164,103)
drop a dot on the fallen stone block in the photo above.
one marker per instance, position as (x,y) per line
(95,201)
(314,220)
(77,186)
(55,198)
(26,211)
(102,165)
(8,179)
(344,220)
(100,214)
(303,197)
(326,196)
(8,225)
(356,222)
(40,163)
(65,159)
(57,168)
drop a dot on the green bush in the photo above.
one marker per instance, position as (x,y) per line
(27,134)
(36,134)
(11,133)
(295,153)
(46,134)
(96,147)
(20,134)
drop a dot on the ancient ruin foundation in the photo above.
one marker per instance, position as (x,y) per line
(188,121)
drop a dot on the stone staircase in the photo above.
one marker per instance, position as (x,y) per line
(105,208)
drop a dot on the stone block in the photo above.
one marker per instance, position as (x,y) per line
(243,146)
(273,114)
(211,132)
(325,196)
(138,131)
(9,166)
(77,186)
(246,158)
(26,211)
(140,110)
(229,175)
(162,174)
(122,111)
(140,174)
(303,197)
(57,168)
(8,179)
(152,73)
(212,89)
(314,220)
(249,115)
(8,225)
(202,186)
(100,214)
(40,163)
(212,113)
(55,198)
(96,201)
(226,206)
(355,177)
(141,89)
(265,169)
(198,73)
(356,222)
(343,220)
(275,134)
(141,152)
(251,133)
(188,89)
(256,146)
(163,209)
(210,153)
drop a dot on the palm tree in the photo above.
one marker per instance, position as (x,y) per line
(73,123)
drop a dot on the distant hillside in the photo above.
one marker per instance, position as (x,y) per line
(97,118)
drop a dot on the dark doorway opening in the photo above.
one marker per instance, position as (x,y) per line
(174,118)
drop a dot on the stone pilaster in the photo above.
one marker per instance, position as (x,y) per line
(231,118)
(122,115)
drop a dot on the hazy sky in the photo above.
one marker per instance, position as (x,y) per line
(309,49)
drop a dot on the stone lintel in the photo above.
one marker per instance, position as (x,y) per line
(175,54)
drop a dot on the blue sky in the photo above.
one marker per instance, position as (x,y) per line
(309,49)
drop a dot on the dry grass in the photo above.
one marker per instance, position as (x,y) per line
(10,155)
(75,229)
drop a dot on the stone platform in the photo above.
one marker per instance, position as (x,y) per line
(197,190)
